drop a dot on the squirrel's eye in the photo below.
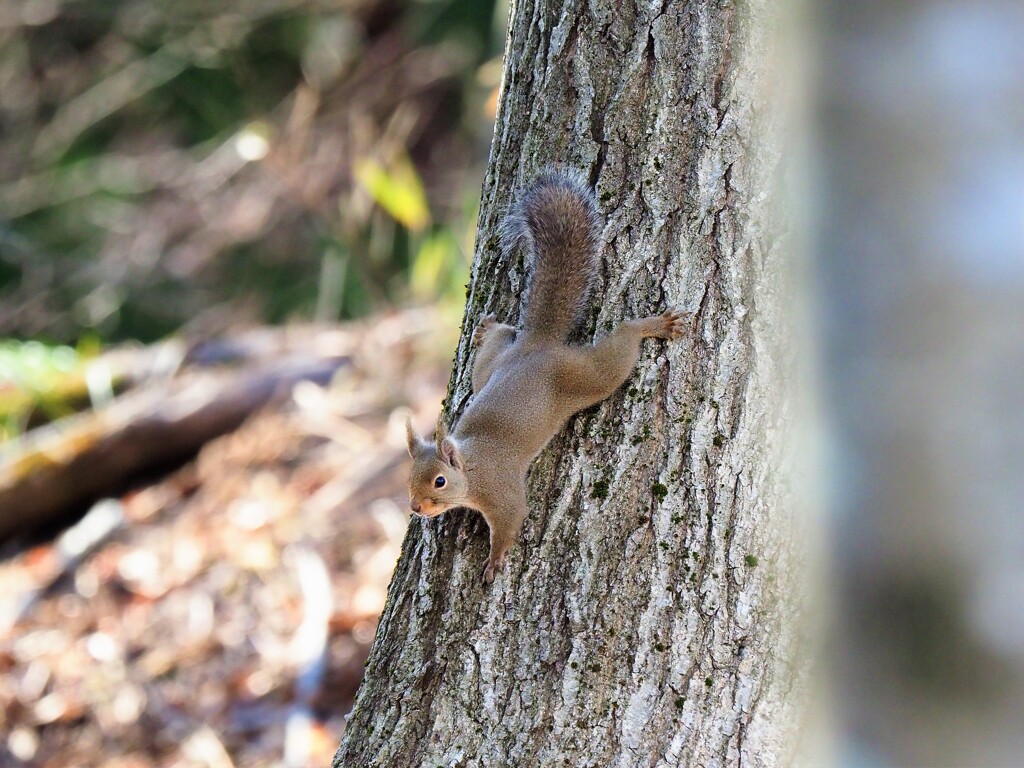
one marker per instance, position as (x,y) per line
(439,481)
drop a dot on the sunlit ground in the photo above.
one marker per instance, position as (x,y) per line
(220,615)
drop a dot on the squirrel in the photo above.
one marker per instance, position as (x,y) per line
(527,384)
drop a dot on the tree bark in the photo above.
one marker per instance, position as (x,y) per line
(646,616)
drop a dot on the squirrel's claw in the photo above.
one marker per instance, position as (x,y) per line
(481,330)
(494,564)
(673,328)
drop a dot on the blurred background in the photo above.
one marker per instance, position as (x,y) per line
(185,187)
(179,164)
(920,253)
(193,195)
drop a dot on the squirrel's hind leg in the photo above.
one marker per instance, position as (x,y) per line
(667,325)
(492,338)
(593,373)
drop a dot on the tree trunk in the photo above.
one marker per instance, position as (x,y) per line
(645,617)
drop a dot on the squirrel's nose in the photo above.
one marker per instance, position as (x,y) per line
(414,506)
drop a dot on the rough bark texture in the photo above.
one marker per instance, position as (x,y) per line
(645,617)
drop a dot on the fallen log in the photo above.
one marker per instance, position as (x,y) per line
(58,469)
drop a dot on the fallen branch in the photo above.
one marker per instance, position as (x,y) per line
(55,470)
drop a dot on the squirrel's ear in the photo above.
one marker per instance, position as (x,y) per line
(449,452)
(446,447)
(412,439)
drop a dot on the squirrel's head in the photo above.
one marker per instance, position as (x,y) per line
(438,480)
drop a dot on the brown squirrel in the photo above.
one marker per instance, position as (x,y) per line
(526,385)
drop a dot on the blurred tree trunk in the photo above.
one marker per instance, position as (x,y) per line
(646,615)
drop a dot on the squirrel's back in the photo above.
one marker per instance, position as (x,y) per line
(556,218)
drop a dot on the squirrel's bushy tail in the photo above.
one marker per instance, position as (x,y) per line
(556,218)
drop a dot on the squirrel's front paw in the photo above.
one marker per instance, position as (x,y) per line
(481,330)
(670,325)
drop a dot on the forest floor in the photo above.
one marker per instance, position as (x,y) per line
(220,615)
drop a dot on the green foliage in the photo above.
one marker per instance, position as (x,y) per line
(33,365)
(36,377)
(165,164)
(397,189)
